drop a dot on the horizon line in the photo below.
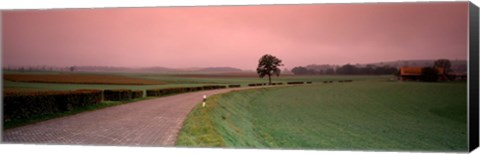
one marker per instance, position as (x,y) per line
(192,67)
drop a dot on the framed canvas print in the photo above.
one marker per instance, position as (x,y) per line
(355,77)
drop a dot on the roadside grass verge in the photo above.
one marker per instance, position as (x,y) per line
(370,115)
(199,129)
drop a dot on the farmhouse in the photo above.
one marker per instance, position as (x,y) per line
(414,73)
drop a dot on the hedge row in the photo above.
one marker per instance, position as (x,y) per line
(137,94)
(256,84)
(298,82)
(279,83)
(234,86)
(263,84)
(167,91)
(209,87)
(177,90)
(117,95)
(327,81)
(121,94)
(345,81)
(27,105)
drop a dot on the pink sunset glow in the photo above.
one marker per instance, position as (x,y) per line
(235,36)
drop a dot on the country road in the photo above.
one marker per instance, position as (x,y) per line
(153,122)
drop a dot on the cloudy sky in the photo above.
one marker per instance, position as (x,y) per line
(235,36)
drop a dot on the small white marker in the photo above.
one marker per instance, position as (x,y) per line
(204,99)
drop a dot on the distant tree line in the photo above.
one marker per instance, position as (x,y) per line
(431,74)
(39,68)
(347,69)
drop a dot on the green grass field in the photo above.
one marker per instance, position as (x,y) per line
(377,115)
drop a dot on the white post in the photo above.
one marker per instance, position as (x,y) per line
(204,99)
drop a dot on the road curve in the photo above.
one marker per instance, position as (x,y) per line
(153,122)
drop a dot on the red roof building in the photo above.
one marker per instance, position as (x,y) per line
(414,73)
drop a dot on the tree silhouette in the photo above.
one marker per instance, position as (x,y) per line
(268,66)
(445,64)
(300,70)
(429,74)
(72,68)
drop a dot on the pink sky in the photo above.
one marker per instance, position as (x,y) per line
(235,36)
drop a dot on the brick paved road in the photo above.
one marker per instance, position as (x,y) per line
(153,122)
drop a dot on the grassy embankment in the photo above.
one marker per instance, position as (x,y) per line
(366,115)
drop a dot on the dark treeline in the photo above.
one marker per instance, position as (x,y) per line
(39,68)
(347,69)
